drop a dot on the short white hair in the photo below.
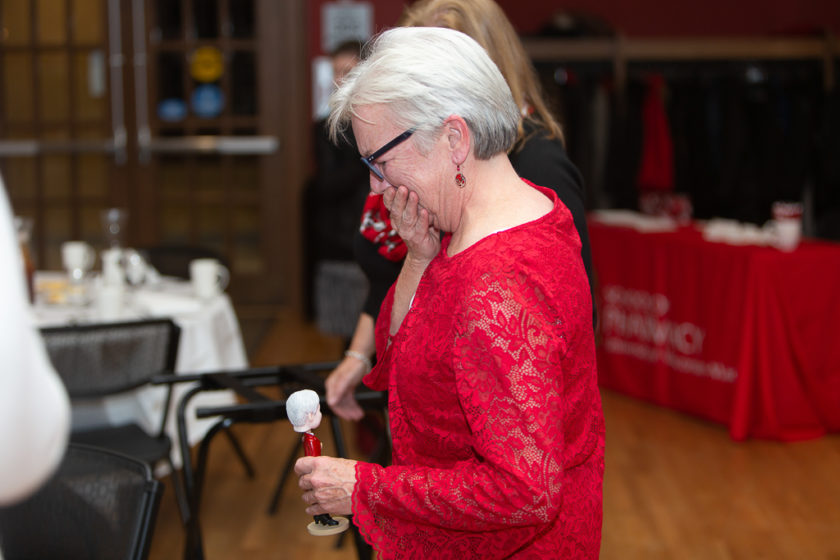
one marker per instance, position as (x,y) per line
(300,404)
(424,75)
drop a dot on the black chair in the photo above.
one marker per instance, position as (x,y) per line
(105,359)
(255,407)
(98,505)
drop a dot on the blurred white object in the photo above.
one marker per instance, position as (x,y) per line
(786,226)
(136,267)
(209,277)
(635,220)
(77,257)
(114,221)
(34,408)
(733,232)
(112,269)
(110,302)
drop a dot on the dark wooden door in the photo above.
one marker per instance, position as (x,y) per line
(191,114)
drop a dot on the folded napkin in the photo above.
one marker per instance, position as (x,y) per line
(635,220)
(161,303)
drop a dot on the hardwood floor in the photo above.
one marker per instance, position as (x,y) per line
(675,487)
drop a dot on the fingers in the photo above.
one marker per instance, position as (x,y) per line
(327,484)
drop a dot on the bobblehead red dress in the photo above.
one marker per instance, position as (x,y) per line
(304,411)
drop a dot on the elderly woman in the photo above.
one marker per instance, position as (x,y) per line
(538,154)
(485,341)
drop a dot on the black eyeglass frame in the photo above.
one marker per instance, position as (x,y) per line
(368,160)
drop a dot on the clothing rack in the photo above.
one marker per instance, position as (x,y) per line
(621,51)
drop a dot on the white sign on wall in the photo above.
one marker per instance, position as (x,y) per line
(322,86)
(344,21)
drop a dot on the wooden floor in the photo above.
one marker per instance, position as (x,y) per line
(675,487)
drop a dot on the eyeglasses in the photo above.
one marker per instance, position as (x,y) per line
(368,160)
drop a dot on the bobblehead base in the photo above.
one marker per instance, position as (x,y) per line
(325,530)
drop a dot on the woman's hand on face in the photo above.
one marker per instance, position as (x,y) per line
(412,222)
(327,484)
(341,385)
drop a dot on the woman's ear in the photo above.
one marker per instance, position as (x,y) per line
(459,138)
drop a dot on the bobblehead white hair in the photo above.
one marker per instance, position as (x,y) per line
(424,75)
(300,404)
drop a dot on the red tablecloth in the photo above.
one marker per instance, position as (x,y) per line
(742,335)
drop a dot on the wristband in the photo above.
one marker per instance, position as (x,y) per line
(359,356)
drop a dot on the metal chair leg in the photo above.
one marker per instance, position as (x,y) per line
(234,442)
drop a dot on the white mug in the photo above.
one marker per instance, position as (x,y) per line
(786,225)
(785,233)
(209,277)
(77,258)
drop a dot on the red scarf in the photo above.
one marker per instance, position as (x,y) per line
(376,227)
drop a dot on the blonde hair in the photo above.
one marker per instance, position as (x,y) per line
(484,21)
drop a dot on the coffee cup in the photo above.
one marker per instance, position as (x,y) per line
(209,277)
(77,258)
(786,225)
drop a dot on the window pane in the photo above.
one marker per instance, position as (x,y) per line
(169,19)
(92,225)
(89,21)
(57,230)
(18,92)
(242,18)
(92,171)
(172,177)
(170,72)
(54,101)
(206,14)
(57,175)
(211,226)
(245,174)
(20,176)
(175,223)
(210,179)
(52,21)
(243,82)
(16,23)
(90,105)
(246,240)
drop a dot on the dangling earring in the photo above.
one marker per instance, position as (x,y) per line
(460,180)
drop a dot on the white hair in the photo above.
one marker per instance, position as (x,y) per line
(424,75)
(300,404)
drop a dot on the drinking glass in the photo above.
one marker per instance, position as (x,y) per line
(114,221)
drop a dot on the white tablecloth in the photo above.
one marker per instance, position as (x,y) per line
(210,340)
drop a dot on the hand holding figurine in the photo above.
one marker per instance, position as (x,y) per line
(304,411)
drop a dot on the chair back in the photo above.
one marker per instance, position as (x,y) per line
(103,359)
(99,504)
(174,260)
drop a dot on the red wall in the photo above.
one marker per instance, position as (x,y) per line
(644,17)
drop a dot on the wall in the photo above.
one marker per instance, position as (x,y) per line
(645,17)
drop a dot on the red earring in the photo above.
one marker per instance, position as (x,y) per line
(460,180)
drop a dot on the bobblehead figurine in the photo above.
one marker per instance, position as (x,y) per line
(304,411)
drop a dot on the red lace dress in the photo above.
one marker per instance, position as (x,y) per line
(498,434)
